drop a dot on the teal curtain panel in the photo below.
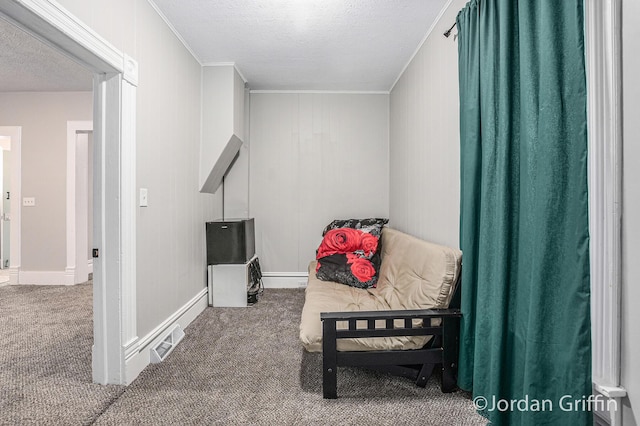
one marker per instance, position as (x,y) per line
(524,226)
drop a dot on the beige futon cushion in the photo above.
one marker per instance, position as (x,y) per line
(414,274)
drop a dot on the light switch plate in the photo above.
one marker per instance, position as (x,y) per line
(28,201)
(144,197)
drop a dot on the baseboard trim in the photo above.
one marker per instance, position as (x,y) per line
(285,279)
(137,352)
(14,275)
(45,278)
(69,276)
(607,404)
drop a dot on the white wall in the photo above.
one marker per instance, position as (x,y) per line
(114,20)
(314,158)
(236,184)
(631,212)
(171,256)
(424,140)
(43,117)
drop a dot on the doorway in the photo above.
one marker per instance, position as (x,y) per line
(115,81)
(10,216)
(79,201)
(5,205)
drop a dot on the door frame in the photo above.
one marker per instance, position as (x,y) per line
(75,202)
(603,60)
(15,133)
(115,82)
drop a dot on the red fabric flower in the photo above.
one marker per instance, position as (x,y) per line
(341,240)
(351,257)
(368,243)
(362,269)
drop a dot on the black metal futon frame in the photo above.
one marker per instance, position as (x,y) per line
(418,364)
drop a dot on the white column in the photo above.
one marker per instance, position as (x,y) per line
(603,56)
(128,213)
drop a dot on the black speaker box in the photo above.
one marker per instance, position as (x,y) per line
(230,241)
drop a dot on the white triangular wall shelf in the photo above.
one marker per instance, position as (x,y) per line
(222,164)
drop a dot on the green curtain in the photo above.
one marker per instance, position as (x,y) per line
(525,331)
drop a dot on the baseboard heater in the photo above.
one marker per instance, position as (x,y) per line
(167,344)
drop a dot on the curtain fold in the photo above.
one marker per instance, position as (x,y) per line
(525,331)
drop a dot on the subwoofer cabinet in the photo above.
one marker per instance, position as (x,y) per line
(230,241)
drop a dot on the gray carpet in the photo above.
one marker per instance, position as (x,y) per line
(236,366)
(46,333)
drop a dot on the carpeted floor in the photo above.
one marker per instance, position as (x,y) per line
(46,333)
(236,366)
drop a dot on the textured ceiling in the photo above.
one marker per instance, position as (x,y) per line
(28,65)
(355,45)
(352,45)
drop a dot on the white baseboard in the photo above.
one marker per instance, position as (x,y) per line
(607,404)
(70,276)
(285,279)
(45,278)
(14,275)
(138,354)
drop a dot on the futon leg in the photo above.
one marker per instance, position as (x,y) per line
(424,374)
(329,380)
(329,360)
(448,384)
(449,355)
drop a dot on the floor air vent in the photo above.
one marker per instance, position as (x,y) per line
(164,348)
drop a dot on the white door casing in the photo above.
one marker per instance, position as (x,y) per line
(603,67)
(77,269)
(15,133)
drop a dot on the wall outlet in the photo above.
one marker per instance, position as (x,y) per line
(28,201)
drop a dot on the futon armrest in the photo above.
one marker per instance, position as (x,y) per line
(367,323)
(390,314)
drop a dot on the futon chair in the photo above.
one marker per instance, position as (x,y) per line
(403,326)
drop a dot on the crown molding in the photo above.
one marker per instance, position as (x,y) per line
(426,36)
(79,41)
(174,31)
(323,92)
(226,64)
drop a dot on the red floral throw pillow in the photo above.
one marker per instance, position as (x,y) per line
(349,253)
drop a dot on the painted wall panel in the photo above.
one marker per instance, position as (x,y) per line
(314,158)
(424,140)
(114,20)
(236,184)
(171,256)
(43,117)
(171,241)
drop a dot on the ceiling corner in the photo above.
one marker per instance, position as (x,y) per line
(174,31)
